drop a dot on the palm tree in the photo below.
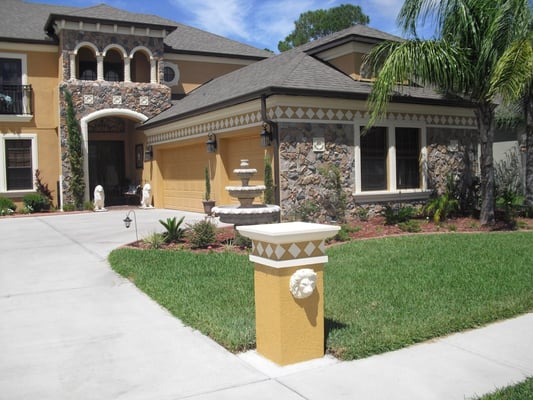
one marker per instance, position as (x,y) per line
(463,60)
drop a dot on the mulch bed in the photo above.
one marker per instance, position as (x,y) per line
(373,228)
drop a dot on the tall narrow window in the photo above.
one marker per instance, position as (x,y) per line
(86,64)
(374,159)
(10,86)
(19,171)
(113,66)
(407,158)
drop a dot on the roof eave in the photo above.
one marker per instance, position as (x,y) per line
(169,49)
(52,17)
(301,92)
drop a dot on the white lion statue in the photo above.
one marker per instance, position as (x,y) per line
(99,198)
(146,200)
(303,283)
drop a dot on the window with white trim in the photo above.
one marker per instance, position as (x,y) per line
(18,159)
(389,159)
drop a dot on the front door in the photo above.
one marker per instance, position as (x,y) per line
(107,168)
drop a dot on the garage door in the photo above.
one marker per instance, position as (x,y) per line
(182,170)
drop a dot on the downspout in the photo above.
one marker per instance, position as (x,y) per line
(275,147)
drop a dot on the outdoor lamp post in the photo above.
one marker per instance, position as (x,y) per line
(127,222)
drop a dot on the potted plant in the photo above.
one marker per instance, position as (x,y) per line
(208,203)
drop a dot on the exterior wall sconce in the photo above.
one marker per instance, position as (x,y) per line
(127,222)
(148,154)
(211,143)
(266,135)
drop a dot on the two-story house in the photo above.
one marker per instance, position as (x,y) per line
(149,93)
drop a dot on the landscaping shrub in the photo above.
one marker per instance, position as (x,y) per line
(410,226)
(395,215)
(442,207)
(202,234)
(173,231)
(36,202)
(7,207)
(154,240)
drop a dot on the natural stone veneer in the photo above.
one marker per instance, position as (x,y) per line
(450,151)
(300,177)
(103,93)
(453,153)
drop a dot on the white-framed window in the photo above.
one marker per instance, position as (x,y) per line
(18,162)
(390,161)
(171,74)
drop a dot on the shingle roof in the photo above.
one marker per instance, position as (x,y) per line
(293,71)
(187,39)
(104,12)
(361,32)
(24,21)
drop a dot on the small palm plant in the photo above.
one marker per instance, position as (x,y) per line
(174,232)
(441,207)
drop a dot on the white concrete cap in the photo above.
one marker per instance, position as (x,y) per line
(288,232)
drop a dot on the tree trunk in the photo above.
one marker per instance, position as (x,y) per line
(529,147)
(485,119)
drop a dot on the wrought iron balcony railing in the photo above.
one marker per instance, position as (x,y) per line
(16,100)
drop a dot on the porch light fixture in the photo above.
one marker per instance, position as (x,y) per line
(127,222)
(266,135)
(211,143)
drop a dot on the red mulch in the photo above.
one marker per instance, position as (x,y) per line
(373,228)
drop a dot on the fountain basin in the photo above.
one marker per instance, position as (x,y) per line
(251,215)
(245,194)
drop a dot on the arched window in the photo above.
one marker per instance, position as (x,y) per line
(113,66)
(140,67)
(86,64)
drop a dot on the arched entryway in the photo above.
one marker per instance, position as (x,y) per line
(113,151)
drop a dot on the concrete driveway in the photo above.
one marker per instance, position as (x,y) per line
(70,328)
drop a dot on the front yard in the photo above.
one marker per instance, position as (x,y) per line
(380,294)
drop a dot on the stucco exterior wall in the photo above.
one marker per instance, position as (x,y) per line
(42,74)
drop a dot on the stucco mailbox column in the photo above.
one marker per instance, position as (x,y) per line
(289,292)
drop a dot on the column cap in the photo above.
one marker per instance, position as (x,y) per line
(288,232)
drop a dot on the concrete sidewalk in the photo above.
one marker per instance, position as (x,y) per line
(70,328)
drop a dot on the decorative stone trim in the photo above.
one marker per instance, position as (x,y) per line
(288,251)
(306,114)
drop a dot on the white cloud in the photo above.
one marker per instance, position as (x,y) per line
(226,18)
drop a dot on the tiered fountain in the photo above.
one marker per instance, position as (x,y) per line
(246,213)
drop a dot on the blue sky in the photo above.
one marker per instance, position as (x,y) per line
(260,23)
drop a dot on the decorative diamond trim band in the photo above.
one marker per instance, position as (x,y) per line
(288,251)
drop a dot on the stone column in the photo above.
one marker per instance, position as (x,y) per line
(72,59)
(127,69)
(153,70)
(289,291)
(100,68)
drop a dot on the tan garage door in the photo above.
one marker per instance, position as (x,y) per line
(182,170)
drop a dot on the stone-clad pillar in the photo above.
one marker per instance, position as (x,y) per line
(289,291)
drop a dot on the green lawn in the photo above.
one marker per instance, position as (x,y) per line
(520,391)
(380,294)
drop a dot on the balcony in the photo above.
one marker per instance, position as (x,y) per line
(16,101)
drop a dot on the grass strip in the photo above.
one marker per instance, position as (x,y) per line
(380,294)
(520,391)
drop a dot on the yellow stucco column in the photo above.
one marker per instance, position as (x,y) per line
(289,291)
